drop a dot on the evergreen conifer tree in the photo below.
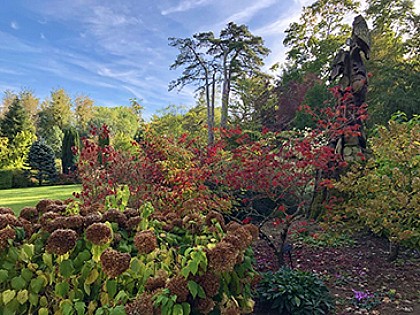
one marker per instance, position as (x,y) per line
(41,159)
(68,158)
(16,120)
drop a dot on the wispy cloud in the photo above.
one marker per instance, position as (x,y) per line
(246,14)
(185,5)
(14,25)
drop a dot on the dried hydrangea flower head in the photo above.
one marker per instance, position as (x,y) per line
(214,216)
(205,306)
(8,220)
(29,213)
(210,283)
(115,215)
(61,241)
(157,282)
(222,257)
(178,285)
(43,204)
(75,222)
(92,218)
(142,305)
(114,262)
(98,233)
(6,234)
(145,241)
(6,210)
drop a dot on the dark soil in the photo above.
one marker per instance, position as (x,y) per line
(394,286)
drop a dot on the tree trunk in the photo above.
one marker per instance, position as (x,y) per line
(210,113)
(225,93)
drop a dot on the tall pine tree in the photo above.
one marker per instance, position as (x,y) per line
(16,120)
(41,159)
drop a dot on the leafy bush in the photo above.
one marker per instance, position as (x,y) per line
(21,179)
(294,292)
(384,193)
(6,179)
(122,262)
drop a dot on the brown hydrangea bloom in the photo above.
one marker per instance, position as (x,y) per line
(29,213)
(5,234)
(210,282)
(59,223)
(157,282)
(6,210)
(232,226)
(46,218)
(75,222)
(222,257)
(213,215)
(8,219)
(92,218)
(178,285)
(57,208)
(116,239)
(114,262)
(43,204)
(61,241)
(142,305)
(130,212)
(167,227)
(205,306)
(115,215)
(59,202)
(145,241)
(98,233)
(235,240)
(253,229)
(133,222)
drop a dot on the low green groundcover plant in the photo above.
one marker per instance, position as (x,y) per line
(296,292)
(57,260)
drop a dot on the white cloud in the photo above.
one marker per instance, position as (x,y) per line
(42,36)
(14,25)
(185,5)
(246,14)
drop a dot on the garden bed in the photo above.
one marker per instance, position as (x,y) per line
(360,271)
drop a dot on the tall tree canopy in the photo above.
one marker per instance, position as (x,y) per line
(209,61)
(16,120)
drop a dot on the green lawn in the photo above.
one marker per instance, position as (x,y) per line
(23,197)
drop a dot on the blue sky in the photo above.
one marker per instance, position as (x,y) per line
(116,50)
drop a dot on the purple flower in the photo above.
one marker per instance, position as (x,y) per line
(360,295)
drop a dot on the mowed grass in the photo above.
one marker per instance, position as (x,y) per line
(19,198)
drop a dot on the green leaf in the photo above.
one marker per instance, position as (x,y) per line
(33,299)
(66,268)
(66,307)
(62,288)
(8,295)
(111,287)
(79,306)
(27,274)
(37,284)
(27,251)
(178,309)
(93,275)
(201,292)
(186,308)
(4,275)
(193,287)
(22,296)
(18,283)
(185,272)
(193,266)
(118,310)
(297,301)
(47,259)
(43,311)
